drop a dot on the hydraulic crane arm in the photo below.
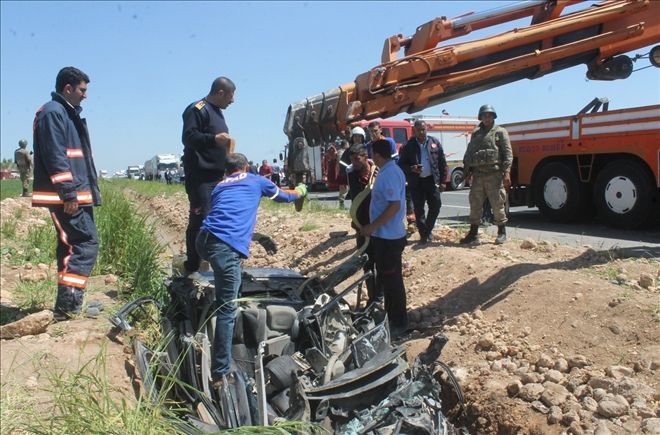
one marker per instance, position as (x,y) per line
(429,74)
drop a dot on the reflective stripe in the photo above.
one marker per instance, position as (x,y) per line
(277,192)
(72,280)
(61,177)
(73,152)
(54,198)
(65,241)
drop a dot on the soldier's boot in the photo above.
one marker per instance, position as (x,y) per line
(471,236)
(25,192)
(68,303)
(501,235)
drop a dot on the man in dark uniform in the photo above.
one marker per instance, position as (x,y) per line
(65,182)
(206,143)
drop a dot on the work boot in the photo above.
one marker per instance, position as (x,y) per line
(25,193)
(501,235)
(471,236)
(68,302)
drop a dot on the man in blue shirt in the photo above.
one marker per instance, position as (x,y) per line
(388,234)
(224,239)
(376,133)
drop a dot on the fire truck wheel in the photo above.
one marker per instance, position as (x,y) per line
(624,194)
(457,179)
(559,195)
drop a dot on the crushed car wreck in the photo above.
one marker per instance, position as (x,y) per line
(300,351)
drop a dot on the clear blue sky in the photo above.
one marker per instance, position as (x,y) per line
(148,60)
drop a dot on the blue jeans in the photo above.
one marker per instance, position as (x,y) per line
(226,264)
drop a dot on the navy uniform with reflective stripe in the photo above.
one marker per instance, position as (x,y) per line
(63,171)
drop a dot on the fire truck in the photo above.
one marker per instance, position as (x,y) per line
(430,73)
(574,166)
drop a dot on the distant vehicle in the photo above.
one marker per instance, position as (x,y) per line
(103,174)
(160,163)
(133,172)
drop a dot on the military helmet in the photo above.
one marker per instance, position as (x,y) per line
(487,108)
(22,143)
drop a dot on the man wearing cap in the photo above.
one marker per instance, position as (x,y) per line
(23,161)
(488,160)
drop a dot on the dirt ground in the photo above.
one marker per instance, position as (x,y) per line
(544,338)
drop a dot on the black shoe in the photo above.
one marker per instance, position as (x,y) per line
(472,236)
(429,238)
(398,331)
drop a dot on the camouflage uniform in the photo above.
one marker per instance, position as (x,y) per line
(23,161)
(488,158)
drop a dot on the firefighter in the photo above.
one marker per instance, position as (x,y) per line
(23,161)
(488,160)
(65,182)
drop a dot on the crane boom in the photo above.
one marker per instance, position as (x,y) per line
(429,74)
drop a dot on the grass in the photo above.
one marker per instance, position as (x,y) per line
(129,247)
(146,188)
(34,296)
(309,226)
(10,188)
(8,229)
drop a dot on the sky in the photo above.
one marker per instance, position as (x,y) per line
(148,60)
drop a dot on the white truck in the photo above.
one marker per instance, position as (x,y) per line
(160,163)
(133,172)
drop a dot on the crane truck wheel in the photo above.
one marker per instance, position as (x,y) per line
(624,194)
(559,195)
(457,179)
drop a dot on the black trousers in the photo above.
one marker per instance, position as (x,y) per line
(199,196)
(426,192)
(369,267)
(77,245)
(389,280)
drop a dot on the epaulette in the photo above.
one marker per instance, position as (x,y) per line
(200,105)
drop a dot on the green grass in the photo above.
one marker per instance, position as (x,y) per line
(34,296)
(10,188)
(129,247)
(8,229)
(309,226)
(147,188)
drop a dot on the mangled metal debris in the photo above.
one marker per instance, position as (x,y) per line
(300,351)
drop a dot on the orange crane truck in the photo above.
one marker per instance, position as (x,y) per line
(431,73)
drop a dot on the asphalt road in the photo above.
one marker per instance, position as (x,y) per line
(527,222)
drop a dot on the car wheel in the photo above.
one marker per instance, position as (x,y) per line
(457,179)
(559,195)
(624,194)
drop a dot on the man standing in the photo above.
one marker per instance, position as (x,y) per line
(65,182)
(224,240)
(423,161)
(376,133)
(488,160)
(266,170)
(388,234)
(360,174)
(206,142)
(23,161)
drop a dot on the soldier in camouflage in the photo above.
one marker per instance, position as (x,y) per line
(23,161)
(488,160)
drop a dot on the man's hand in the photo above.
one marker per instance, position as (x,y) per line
(302,190)
(442,187)
(70,207)
(367,230)
(506,180)
(416,169)
(222,139)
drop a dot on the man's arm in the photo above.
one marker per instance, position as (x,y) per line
(53,146)
(392,209)
(506,157)
(193,135)
(442,166)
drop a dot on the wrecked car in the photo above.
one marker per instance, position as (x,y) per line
(300,351)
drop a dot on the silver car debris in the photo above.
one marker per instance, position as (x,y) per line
(300,353)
